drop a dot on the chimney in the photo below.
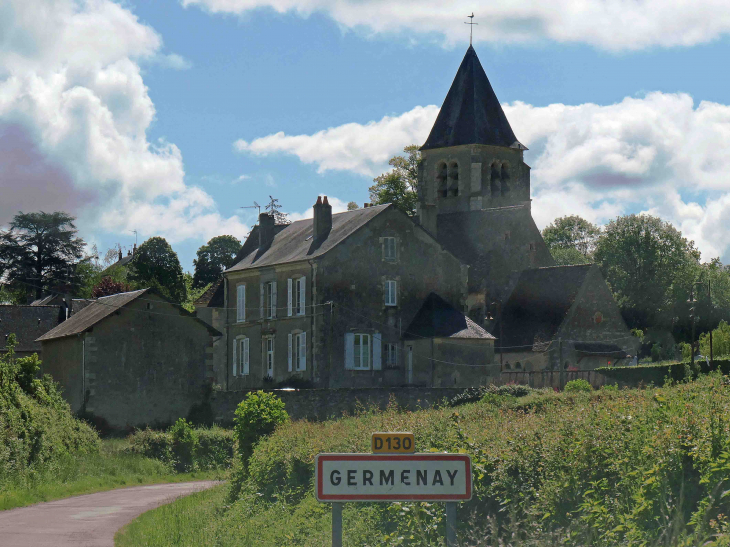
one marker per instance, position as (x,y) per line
(134,249)
(322,219)
(120,253)
(266,230)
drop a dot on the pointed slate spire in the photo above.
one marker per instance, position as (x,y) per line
(471,113)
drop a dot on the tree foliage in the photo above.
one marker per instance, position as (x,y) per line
(650,268)
(399,186)
(108,286)
(274,209)
(571,239)
(39,250)
(156,265)
(214,257)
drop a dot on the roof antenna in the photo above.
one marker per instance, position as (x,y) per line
(471,26)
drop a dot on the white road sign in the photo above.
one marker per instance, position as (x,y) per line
(393,477)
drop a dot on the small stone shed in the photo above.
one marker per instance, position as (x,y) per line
(444,348)
(132,359)
(27,323)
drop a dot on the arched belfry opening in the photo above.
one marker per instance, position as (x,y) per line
(494,180)
(504,178)
(453,179)
(441,176)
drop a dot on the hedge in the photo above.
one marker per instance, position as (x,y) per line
(656,374)
(213,448)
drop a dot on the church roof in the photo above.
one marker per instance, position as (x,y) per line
(471,113)
(293,242)
(539,304)
(439,319)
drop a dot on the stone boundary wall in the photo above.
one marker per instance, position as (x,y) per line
(321,404)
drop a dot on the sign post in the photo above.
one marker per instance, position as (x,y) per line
(388,476)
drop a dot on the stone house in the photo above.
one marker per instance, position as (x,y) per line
(325,302)
(28,323)
(562,318)
(132,359)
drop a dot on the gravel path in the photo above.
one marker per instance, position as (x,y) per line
(87,521)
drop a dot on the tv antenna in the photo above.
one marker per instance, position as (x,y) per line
(254,206)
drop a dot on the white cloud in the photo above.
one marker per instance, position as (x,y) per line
(608,24)
(659,153)
(361,148)
(173,61)
(72,91)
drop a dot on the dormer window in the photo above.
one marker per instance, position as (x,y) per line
(453,179)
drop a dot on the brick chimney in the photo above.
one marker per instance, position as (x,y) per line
(266,230)
(322,219)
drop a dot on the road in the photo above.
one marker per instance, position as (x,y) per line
(87,521)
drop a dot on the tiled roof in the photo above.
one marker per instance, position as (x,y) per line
(213,297)
(28,323)
(439,319)
(539,303)
(294,241)
(471,113)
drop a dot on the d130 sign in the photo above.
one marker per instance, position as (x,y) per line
(393,477)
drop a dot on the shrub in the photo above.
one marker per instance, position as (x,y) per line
(184,445)
(473,394)
(257,415)
(579,385)
(214,449)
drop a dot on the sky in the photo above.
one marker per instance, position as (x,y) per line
(173,117)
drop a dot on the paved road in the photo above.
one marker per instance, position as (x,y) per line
(86,521)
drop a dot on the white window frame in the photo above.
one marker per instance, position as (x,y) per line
(362,362)
(268,300)
(269,355)
(241,356)
(297,351)
(390,289)
(241,302)
(390,249)
(301,298)
(391,355)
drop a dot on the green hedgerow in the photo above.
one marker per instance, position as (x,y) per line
(184,444)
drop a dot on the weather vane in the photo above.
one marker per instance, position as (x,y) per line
(471,26)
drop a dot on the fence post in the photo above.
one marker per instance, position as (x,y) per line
(336,525)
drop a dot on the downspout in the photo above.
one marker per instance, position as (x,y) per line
(313,277)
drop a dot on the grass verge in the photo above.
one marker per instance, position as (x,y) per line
(112,467)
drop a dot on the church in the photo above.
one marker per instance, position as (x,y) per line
(463,294)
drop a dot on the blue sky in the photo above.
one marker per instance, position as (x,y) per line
(167,118)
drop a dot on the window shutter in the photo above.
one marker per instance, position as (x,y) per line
(262,301)
(245,357)
(290,296)
(235,357)
(290,353)
(349,351)
(241,302)
(385,292)
(273,299)
(377,347)
(303,351)
(302,297)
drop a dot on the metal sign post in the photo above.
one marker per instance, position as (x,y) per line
(388,477)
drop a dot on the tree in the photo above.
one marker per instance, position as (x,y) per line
(571,239)
(108,286)
(273,209)
(650,268)
(399,186)
(156,265)
(352,206)
(214,257)
(192,293)
(39,250)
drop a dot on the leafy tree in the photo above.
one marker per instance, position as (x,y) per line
(399,186)
(650,268)
(214,257)
(39,251)
(257,416)
(108,286)
(192,293)
(571,239)
(156,265)
(352,206)
(273,208)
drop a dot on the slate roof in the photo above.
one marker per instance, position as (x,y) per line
(539,303)
(47,300)
(213,297)
(28,323)
(471,113)
(294,242)
(439,319)
(101,308)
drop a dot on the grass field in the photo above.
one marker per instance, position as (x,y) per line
(630,468)
(112,467)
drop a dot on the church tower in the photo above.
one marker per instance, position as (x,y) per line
(474,189)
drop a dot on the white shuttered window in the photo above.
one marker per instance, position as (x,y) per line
(240,303)
(298,351)
(391,293)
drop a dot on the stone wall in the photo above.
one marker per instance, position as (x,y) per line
(321,404)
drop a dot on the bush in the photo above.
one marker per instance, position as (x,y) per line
(651,374)
(474,394)
(213,450)
(578,386)
(184,445)
(257,415)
